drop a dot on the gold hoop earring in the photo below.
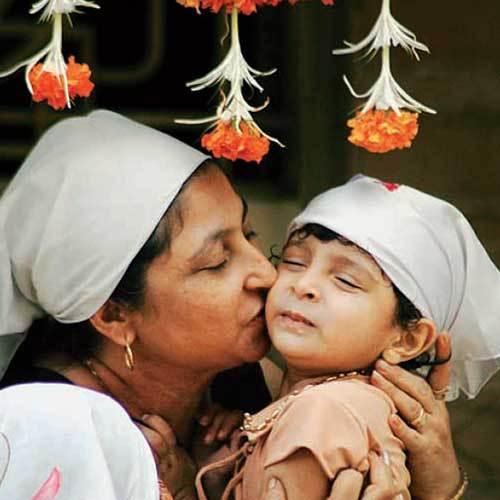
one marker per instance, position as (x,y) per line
(129,357)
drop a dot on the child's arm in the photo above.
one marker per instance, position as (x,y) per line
(348,485)
(298,474)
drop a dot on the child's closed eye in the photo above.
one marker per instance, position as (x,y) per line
(347,282)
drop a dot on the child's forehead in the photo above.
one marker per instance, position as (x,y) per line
(301,238)
(340,248)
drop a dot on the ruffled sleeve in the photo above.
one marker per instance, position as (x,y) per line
(329,428)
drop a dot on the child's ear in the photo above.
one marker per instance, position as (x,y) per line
(411,342)
(114,322)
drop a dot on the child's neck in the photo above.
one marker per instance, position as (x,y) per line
(292,377)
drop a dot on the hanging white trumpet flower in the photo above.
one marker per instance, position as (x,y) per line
(54,63)
(386,93)
(233,115)
(389,118)
(54,7)
(386,32)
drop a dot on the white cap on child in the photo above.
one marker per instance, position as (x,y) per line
(431,253)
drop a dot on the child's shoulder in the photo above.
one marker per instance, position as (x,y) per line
(354,396)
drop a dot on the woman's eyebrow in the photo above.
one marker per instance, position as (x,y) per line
(245,209)
(208,242)
(217,235)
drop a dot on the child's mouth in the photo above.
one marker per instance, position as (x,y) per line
(296,317)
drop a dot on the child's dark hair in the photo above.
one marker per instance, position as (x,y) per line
(406,314)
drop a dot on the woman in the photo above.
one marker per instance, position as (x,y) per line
(141,251)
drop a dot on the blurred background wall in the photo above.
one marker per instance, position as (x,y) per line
(143,52)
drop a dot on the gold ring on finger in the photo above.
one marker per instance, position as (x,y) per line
(420,420)
(440,394)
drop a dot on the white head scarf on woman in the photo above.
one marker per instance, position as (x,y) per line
(431,253)
(80,208)
(60,442)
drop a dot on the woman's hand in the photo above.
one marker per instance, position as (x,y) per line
(349,483)
(425,426)
(175,468)
(219,423)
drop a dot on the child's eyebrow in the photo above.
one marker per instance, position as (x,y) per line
(358,265)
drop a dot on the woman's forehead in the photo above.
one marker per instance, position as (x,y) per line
(211,209)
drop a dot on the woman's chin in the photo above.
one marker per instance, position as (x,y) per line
(257,345)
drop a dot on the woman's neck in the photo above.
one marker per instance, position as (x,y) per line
(171,392)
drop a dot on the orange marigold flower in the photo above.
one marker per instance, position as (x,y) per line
(324,2)
(244,6)
(227,142)
(380,131)
(195,4)
(49,86)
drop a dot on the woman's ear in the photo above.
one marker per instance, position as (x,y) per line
(113,320)
(418,339)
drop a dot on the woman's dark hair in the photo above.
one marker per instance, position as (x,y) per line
(406,314)
(79,340)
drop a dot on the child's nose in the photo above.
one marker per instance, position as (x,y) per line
(306,288)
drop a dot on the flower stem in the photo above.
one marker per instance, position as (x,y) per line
(235,40)
(386,57)
(57,31)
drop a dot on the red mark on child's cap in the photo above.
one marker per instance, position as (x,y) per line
(390,186)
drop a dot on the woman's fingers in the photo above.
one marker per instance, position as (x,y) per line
(347,485)
(380,470)
(439,377)
(162,427)
(406,383)
(220,423)
(155,441)
(208,414)
(413,440)
(231,422)
(214,428)
(382,485)
(411,395)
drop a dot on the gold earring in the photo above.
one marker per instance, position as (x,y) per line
(129,357)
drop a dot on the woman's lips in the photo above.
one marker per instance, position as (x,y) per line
(258,318)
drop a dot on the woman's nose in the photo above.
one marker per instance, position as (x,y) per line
(305,287)
(262,273)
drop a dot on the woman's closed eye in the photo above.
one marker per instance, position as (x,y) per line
(216,267)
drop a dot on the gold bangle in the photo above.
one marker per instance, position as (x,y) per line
(463,485)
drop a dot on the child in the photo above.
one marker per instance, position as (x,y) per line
(369,270)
